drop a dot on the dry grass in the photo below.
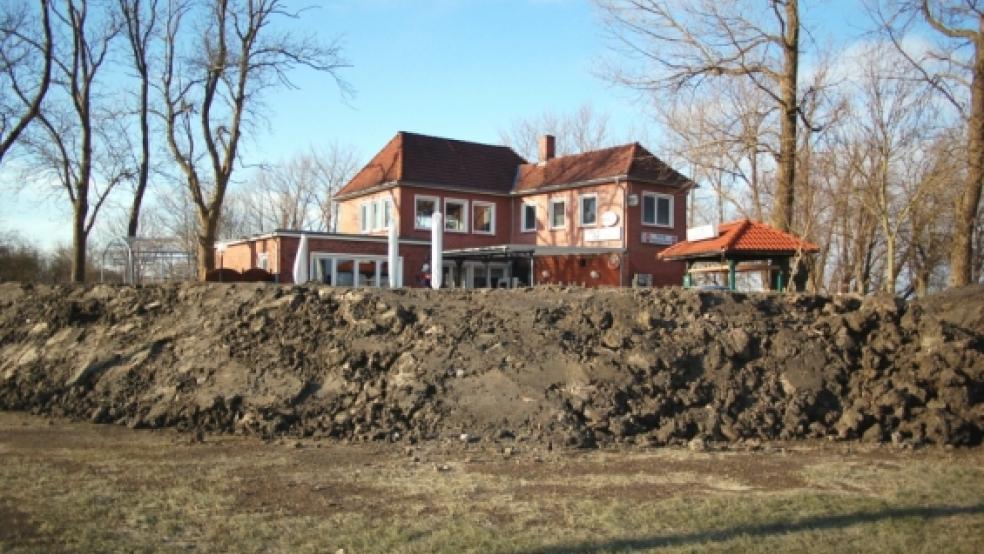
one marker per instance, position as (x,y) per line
(76,487)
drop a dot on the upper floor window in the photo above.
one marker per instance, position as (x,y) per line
(558,214)
(364,217)
(589,210)
(483,217)
(657,209)
(529,218)
(456,215)
(375,215)
(423,209)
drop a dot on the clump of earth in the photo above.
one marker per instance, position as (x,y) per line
(551,366)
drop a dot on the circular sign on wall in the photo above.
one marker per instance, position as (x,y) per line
(614,261)
(609,219)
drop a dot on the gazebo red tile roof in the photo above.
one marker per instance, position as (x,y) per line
(742,237)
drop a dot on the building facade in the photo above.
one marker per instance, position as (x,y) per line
(595,219)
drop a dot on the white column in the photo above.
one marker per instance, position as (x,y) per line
(394,246)
(437,250)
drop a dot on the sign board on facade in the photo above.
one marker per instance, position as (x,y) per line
(658,238)
(702,232)
(602,233)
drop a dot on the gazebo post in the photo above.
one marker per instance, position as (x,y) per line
(781,275)
(732,275)
(688,280)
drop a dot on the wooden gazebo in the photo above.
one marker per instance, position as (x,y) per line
(740,246)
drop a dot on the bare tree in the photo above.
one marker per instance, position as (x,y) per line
(211,89)
(293,194)
(20,73)
(140,22)
(78,144)
(722,135)
(579,131)
(891,122)
(953,66)
(682,46)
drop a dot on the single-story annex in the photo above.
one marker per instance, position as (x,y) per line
(599,218)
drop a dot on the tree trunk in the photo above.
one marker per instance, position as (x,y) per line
(79,239)
(782,211)
(962,251)
(138,194)
(208,228)
(890,275)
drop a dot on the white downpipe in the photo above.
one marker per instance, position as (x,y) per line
(393,252)
(302,262)
(437,250)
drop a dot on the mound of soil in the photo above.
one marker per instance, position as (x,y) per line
(570,367)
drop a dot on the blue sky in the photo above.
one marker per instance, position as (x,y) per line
(458,68)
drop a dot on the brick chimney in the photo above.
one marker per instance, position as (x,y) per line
(547,148)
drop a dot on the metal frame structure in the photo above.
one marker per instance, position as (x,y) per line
(147,260)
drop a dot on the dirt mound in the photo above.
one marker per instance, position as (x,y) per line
(567,366)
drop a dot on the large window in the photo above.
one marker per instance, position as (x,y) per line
(348,270)
(589,210)
(456,215)
(424,208)
(483,217)
(657,209)
(558,214)
(529,218)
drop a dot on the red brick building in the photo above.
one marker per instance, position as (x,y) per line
(597,218)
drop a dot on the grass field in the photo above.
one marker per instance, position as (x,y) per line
(78,487)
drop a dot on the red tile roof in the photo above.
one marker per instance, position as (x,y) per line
(740,237)
(439,161)
(630,160)
(488,168)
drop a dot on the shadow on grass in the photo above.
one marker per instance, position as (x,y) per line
(776,528)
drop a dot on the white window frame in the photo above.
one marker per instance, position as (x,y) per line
(655,196)
(263,260)
(464,224)
(416,202)
(377,215)
(315,268)
(580,209)
(381,214)
(365,215)
(527,226)
(387,213)
(553,210)
(483,204)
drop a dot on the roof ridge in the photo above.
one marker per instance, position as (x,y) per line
(585,153)
(401,157)
(449,139)
(737,233)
